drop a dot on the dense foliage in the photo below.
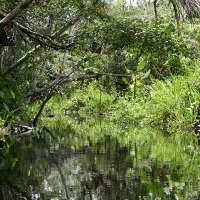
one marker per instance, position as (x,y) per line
(43,51)
(98,57)
(99,77)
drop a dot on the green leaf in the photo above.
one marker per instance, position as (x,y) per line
(169,29)
(14,160)
(12,94)
(89,59)
(141,65)
(2,95)
(125,80)
(138,83)
(146,74)
(2,2)
(6,107)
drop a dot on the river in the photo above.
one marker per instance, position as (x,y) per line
(90,158)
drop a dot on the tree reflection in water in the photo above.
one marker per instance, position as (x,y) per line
(72,165)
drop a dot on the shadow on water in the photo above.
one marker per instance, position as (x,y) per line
(81,160)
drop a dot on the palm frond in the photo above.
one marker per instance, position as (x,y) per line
(191,7)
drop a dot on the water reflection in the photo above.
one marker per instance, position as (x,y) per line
(89,164)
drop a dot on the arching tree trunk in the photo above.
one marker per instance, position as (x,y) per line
(176,16)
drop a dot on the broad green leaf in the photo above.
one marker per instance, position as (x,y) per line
(169,29)
(141,65)
(138,82)
(12,94)
(125,80)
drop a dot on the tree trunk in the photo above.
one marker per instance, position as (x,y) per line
(176,16)
(155,10)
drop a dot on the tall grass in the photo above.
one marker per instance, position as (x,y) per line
(170,104)
(175,101)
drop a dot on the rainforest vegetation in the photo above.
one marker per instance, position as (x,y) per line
(140,64)
(134,63)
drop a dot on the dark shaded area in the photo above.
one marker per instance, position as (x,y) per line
(5,40)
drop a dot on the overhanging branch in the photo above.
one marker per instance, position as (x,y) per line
(15,12)
(61,79)
(21,60)
(30,53)
(44,40)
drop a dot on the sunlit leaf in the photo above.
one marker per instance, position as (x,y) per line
(138,82)
(12,94)
(141,65)
(146,74)
(169,29)
(125,80)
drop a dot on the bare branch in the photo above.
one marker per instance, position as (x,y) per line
(88,74)
(30,53)
(14,13)
(41,38)
(61,79)
(35,120)
(66,27)
(21,60)
(55,82)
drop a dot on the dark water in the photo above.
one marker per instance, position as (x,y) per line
(71,164)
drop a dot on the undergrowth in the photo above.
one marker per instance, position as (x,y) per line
(170,104)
